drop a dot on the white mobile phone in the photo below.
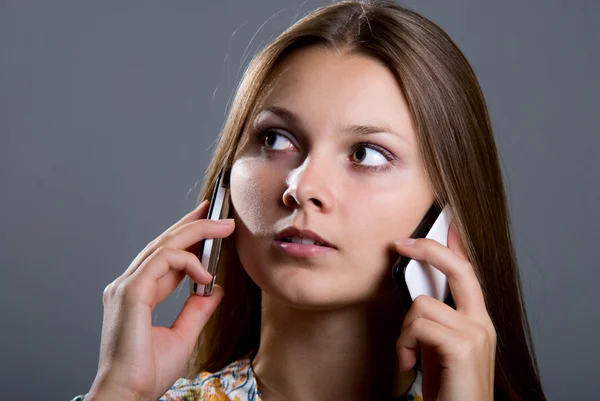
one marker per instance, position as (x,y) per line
(210,249)
(413,277)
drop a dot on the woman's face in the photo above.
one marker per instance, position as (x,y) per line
(331,149)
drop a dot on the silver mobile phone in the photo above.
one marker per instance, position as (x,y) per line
(210,249)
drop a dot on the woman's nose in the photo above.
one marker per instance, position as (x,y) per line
(309,186)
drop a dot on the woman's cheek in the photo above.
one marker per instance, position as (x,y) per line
(249,195)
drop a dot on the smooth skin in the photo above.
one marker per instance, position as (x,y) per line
(330,325)
(139,361)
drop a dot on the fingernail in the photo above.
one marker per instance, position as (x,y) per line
(225,221)
(405,241)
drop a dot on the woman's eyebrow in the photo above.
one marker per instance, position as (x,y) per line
(356,130)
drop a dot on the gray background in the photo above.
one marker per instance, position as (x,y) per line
(109,110)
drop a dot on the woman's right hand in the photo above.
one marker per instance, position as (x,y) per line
(139,361)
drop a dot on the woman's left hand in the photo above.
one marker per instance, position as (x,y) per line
(458,347)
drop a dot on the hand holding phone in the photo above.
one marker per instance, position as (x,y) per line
(138,359)
(413,277)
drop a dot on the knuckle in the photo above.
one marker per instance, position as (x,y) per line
(164,251)
(493,332)
(464,268)
(425,249)
(160,250)
(460,271)
(490,331)
(481,335)
(127,292)
(155,243)
(162,239)
(108,293)
(122,289)
(418,324)
(400,343)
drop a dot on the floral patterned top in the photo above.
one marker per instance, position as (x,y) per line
(236,382)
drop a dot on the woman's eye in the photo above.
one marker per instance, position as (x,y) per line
(273,140)
(364,155)
(371,156)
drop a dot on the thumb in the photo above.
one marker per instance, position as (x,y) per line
(195,313)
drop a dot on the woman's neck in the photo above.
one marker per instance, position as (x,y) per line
(346,354)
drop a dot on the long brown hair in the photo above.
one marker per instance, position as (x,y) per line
(455,138)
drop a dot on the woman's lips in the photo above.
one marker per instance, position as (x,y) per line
(303,250)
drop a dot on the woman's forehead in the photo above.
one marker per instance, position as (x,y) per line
(338,88)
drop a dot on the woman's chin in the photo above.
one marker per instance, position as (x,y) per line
(303,290)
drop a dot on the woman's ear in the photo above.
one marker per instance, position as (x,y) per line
(455,243)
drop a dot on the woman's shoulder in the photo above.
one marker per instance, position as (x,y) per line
(234,382)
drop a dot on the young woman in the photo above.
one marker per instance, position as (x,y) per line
(344,131)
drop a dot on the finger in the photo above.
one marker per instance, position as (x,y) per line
(464,286)
(455,243)
(198,213)
(195,231)
(426,333)
(161,272)
(169,283)
(426,307)
(195,313)
(184,237)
